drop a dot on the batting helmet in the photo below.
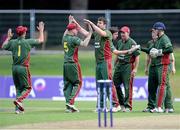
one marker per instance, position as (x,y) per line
(159,26)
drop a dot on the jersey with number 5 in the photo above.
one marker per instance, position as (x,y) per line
(20,49)
(71,44)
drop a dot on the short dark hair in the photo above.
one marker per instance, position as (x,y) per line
(113,29)
(102,19)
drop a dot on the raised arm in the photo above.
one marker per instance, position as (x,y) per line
(80,29)
(41,32)
(9,36)
(87,39)
(96,28)
(70,21)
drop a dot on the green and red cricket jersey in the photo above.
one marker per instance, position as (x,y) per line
(163,43)
(71,44)
(103,46)
(20,49)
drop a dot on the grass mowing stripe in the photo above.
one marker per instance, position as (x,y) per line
(54,111)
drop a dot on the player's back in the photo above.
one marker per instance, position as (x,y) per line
(20,51)
(71,44)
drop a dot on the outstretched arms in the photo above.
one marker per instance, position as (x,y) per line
(130,51)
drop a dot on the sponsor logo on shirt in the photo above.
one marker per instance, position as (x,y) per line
(97,45)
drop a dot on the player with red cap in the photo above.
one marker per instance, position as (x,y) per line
(125,69)
(20,30)
(72,70)
(20,49)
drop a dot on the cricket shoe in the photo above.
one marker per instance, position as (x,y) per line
(146,110)
(123,109)
(19,112)
(154,110)
(169,110)
(101,110)
(116,109)
(19,105)
(72,108)
(127,110)
(68,111)
(157,110)
(105,109)
(160,110)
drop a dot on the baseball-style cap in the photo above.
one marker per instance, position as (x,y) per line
(71,26)
(125,29)
(159,26)
(20,30)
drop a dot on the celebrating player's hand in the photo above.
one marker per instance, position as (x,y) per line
(74,20)
(41,26)
(9,34)
(87,21)
(71,18)
(90,28)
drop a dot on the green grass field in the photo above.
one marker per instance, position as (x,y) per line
(53,64)
(48,111)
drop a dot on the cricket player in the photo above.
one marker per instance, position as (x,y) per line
(103,54)
(115,34)
(153,90)
(20,49)
(158,72)
(72,70)
(125,69)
